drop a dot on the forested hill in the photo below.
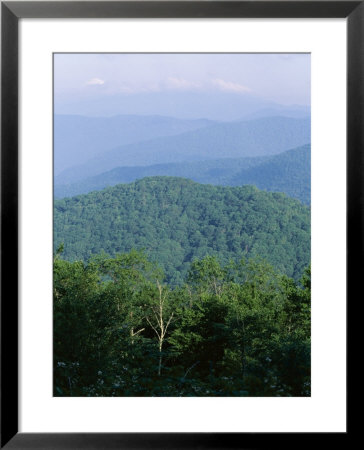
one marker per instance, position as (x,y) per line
(176,220)
(288,172)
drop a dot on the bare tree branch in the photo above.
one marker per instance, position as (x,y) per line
(137,332)
(169,321)
(157,319)
(150,323)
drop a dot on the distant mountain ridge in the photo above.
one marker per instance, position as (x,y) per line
(296,112)
(221,106)
(287,172)
(214,171)
(79,138)
(259,137)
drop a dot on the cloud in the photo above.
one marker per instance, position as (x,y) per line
(229,86)
(173,83)
(95,81)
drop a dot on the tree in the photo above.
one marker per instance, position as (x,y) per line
(159,317)
(230,330)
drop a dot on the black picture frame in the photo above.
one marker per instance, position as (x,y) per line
(11,12)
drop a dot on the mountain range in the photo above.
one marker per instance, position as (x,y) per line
(287,172)
(250,138)
(221,106)
(79,138)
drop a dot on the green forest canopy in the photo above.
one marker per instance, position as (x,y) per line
(241,329)
(176,221)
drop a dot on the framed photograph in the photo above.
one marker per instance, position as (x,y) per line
(181,221)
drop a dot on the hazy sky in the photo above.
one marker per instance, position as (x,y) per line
(92,81)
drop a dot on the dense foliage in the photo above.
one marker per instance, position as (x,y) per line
(241,329)
(176,220)
(288,172)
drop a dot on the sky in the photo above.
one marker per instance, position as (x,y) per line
(177,84)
